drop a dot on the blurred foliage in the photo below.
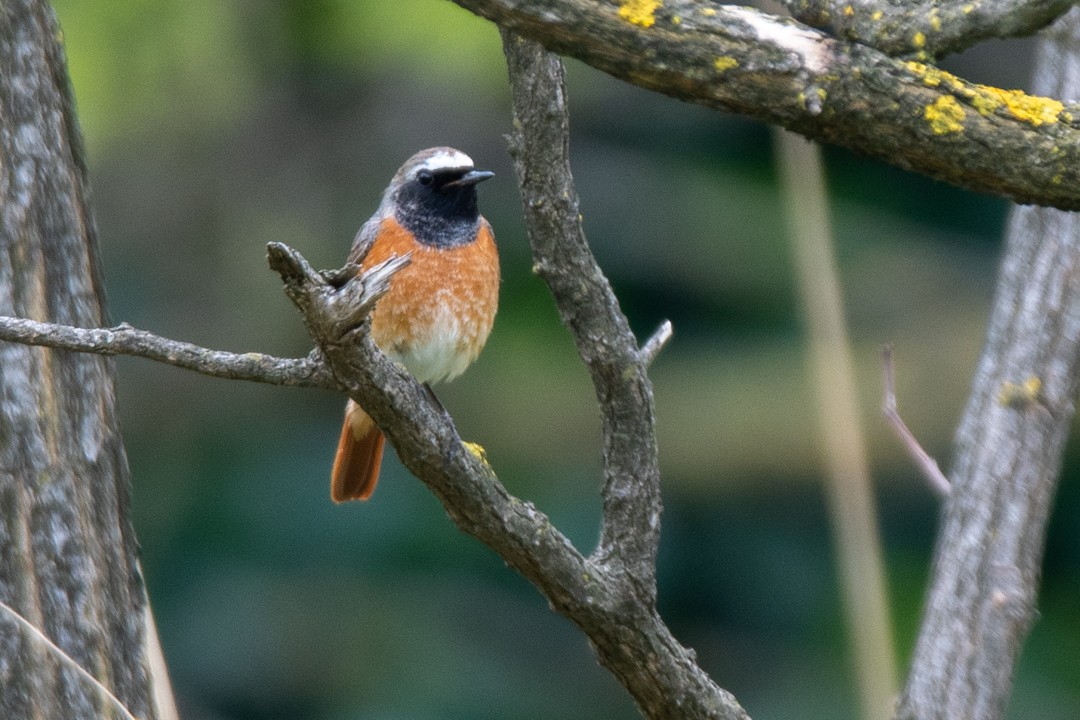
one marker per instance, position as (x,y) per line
(215,126)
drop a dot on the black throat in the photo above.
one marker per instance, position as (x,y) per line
(439,216)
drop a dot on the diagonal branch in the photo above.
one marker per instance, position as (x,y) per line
(776,70)
(926,464)
(620,621)
(66,660)
(656,342)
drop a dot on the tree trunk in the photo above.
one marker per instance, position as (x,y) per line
(1009,448)
(67,549)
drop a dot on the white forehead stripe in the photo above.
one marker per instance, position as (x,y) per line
(447,159)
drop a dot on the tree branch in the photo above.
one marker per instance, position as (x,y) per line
(126,340)
(610,595)
(347,306)
(588,306)
(632,642)
(332,312)
(927,30)
(846,483)
(778,71)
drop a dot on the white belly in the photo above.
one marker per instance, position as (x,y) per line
(441,353)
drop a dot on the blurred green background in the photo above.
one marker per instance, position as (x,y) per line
(215,126)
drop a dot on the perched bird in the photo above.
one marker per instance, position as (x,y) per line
(438,312)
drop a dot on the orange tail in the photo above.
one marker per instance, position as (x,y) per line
(356,464)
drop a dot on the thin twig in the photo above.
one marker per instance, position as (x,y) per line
(65,659)
(164,697)
(656,343)
(927,465)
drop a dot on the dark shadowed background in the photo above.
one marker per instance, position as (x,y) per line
(215,126)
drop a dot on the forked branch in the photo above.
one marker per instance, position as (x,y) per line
(632,641)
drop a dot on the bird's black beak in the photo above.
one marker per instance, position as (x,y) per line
(471,178)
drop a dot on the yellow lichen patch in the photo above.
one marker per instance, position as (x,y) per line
(639,12)
(676,20)
(725,63)
(476,451)
(918,39)
(968,8)
(708,12)
(935,20)
(945,116)
(985,104)
(848,11)
(987,100)
(1026,108)
(933,77)
(1020,396)
(876,15)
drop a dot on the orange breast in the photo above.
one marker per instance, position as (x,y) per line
(439,310)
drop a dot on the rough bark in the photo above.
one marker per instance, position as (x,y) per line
(662,676)
(588,307)
(778,71)
(927,29)
(982,597)
(67,551)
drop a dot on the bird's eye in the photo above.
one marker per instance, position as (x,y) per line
(425,178)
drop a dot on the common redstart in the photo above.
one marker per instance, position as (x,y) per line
(438,312)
